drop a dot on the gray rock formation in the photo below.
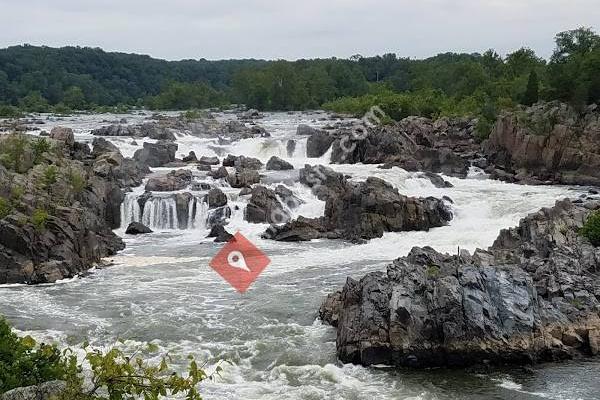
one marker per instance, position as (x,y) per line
(174,180)
(220,234)
(264,207)
(277,164)
(243,177)
(43,391)
(156,154)
(137,228)
(242,162)
(532,296)
(546,143)
(360,210)
(216,198)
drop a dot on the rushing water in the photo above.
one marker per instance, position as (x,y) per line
(162,290)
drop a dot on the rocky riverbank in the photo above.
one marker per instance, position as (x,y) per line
(534,295)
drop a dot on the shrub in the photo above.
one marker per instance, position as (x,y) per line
(77,181)
(24,363)
(114,374)
(50,176)
(39,147)
(39,219)
(13,150)
(591,228)
(5,208)
(10,112)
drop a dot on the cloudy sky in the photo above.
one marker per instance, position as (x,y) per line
(222,29)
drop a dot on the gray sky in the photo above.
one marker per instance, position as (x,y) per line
(176,29)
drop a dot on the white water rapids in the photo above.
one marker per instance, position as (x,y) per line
(161,289)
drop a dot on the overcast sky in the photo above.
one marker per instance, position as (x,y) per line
(223,29)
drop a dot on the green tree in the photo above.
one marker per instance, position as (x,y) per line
(74,98)
(532,93)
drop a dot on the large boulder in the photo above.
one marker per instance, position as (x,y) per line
(277,164)
(44,391)
(102,146)
(243,178)
(137,228)
(318,144)
(265,207)
(220,234)
(323,181)
(305,130)
(63,134)
(152,130)
(242,162)
(174,180)
(156,154)
(532,296)
(216,198)
(206,160)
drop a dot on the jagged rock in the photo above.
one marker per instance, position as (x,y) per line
(156,154)
(220,173)
(548,142)
(242,162)
(174,180)
(532,296)
(43,391)
(299,230)
(365,210)
(265,207)
(243,178)
(205,160)
(323,180)
(191,157)
(220,234)
(288,197)
(152,130)
(137,228)
(305,130)
(204,168)
(63,134)
(318,143)
(415,144)
(277,164)
(102,146)
(216,198)
(218,216)
(436,180)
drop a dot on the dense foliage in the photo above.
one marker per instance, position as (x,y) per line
(43,78)
(113,375)
(591,228)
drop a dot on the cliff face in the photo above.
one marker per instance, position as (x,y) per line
(533,296)
(59,203)
(546,143)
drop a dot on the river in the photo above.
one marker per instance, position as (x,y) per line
(162,290)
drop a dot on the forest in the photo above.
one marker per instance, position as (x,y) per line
(44,79)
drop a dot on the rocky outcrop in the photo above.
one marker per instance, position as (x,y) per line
(60,228)
(264,207)
(305,130)
(546,143)
(156,154)
(174,180)
(190,158)
(205,160)
(137,228)
(361,210)
(63,134)
(277,164)
(318,143)
(445,146)
(220,234)
(152,130)
(242,162)
(216,198)
(243,177)
(101,146)
(532,296)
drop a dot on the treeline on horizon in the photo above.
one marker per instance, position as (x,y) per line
(41,79)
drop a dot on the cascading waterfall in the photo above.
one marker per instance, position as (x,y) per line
(130,210)
(161,212)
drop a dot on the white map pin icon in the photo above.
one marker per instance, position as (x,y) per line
(236,259)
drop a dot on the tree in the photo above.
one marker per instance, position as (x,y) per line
(532,93)
(74,98)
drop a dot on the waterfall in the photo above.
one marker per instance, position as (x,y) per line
(165,212)
(160,213)
(130,210)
